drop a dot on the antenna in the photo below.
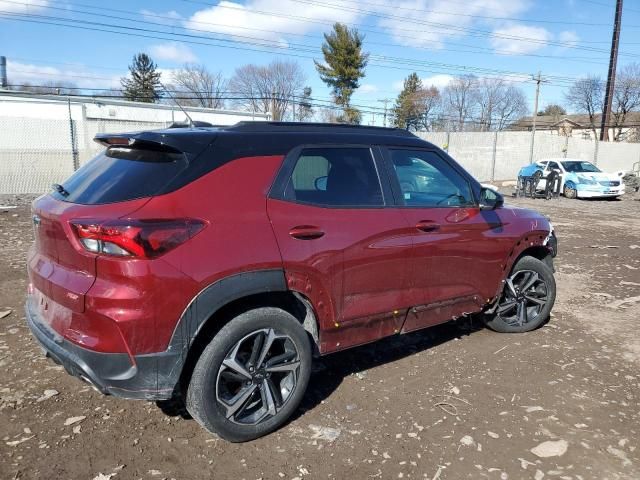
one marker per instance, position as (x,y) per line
(179,106)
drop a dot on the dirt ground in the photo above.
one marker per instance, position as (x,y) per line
(448,403)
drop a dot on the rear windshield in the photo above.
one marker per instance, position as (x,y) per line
(119,174)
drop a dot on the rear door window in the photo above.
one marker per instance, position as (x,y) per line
(119,174)
(335,177)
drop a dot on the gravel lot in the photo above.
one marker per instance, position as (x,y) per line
(453,402)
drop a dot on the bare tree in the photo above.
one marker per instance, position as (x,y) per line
(269,88)
(512,106)
(499,104)
(204,88)
(429,102)
(460,98)
(626,97)
(490,94)
(585,95)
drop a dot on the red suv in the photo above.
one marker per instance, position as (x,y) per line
(212,264)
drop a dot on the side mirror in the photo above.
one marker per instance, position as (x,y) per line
(320,183)
(490,199)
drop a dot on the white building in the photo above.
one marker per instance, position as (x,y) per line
(43,138)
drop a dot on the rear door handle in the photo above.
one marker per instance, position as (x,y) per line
(427,226)
(306,232)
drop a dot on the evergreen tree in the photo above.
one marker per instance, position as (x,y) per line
(143,83)
(407,110)
(343,67)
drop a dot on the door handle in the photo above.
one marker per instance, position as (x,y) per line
(427,226)
(306,232)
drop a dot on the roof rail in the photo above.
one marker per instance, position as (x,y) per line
(249,126)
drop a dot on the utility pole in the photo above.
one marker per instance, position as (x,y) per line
(273,107)
(538,81)
(611,77)
(3,72)
(385,101)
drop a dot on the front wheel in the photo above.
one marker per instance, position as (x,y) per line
(570,192)
(252,376)
(527,299)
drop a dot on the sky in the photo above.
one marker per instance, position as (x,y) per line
(91,44)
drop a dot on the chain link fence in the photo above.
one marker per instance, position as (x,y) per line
(34,153)
(490,156)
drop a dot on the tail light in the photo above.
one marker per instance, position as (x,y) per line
(135,238)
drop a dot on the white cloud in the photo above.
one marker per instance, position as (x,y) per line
(368,88)
(233,18)
(439,20)
(507,40)
(21,73)
(22,7)
(569,38)
(439,81)
(169,18)
(173,52)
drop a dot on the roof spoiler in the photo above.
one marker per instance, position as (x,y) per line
(133,141)
(195,123)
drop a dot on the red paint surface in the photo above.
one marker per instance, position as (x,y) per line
(368,273)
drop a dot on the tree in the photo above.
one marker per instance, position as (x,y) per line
(460,98)
(305,108)
(143,83)
(343,67)
(554,110)
(429,102)
(585,96)
(499,103)
(626,97)
(268,89)
(407,112)
(206,88)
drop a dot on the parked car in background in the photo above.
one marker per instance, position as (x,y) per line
(579,178)
(212,264)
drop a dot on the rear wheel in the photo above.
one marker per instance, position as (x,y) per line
(527,299)
(570,192)
(252,376)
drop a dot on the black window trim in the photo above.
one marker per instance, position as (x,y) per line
(278,188)
(474,185)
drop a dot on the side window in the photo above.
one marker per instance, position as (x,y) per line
(335,177)
(427,180)
(554,166)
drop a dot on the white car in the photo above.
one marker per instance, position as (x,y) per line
(582,179)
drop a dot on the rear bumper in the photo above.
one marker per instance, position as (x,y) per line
(148,377)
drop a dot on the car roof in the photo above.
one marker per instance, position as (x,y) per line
(271,138)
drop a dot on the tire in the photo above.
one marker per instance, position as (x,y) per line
(257,400)
(523,307)
(569,192)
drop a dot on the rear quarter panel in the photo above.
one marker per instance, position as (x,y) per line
(238,236)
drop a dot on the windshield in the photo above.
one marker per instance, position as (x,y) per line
(579,167)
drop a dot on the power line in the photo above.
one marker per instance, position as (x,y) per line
(476,49)
(233,44)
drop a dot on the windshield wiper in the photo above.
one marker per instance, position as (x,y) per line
(60,189)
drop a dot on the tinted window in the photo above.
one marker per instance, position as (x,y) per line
(120,174)
(335,176)
(580,167)
(554,166)
(427,180)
